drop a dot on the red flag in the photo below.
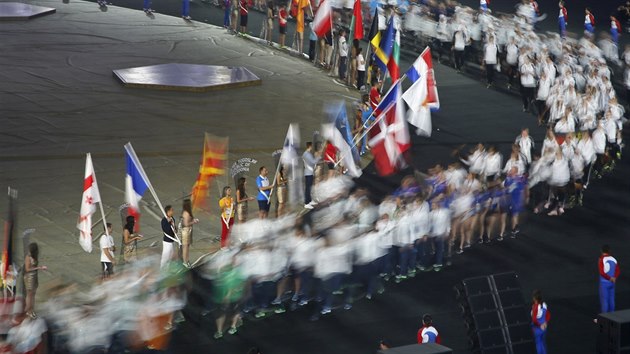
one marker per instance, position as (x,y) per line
(433,100)
(358,20)
(389,139)
(212,164)
(9,226)
(90,197)
(322,23)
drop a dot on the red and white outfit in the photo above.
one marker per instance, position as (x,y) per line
(428,334)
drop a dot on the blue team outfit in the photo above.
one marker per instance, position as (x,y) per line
(608,268)
(483,4)
(615,30)
(428,334)
(562,22)
(500,201)
(437,186)
(516,186)
(540,316)
(589,24)
(263,196)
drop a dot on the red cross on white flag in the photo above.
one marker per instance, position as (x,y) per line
(91,196)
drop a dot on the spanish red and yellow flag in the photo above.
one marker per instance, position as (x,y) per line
(212,164)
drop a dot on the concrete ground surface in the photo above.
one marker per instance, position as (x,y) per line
(59,100)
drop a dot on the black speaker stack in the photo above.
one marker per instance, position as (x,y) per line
(495,313)
(427,348)
(613,335)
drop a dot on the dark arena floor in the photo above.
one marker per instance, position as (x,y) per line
(557,255)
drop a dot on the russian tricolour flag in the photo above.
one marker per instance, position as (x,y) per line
(422,95)
(136,182)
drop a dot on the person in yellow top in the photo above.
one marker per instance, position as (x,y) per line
(227,214)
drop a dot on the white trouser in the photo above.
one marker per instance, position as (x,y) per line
(167,253)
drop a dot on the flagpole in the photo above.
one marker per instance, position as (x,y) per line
(100,204)
(153,193)
(273,185)
(381,117)
(334,45)
(356,141)
(349,46)
(275,175)
(358,138)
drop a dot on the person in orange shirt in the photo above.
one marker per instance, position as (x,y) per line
(227,214)
(299,22)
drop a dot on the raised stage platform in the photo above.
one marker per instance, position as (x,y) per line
(14,11)
(187,77)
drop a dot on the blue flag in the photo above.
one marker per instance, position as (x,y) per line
(340,118)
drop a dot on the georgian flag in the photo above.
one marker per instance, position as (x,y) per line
(91,196)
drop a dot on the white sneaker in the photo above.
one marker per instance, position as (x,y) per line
(308,206)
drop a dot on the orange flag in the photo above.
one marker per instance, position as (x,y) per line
(212,164)
(301,5)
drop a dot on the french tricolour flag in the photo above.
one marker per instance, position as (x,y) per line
(136,182)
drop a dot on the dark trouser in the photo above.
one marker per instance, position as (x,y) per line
(424,248)
(108,269)
(490,73)
(559,196)
(512,70)
(385,265)
(459,59)
(330,285)
(306,284)
(439,242)
(263,293)
(343,65)
(311,49)
(407,259)
(360,78)
(367,275)
(538,195)
(308,185)
(527,94)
